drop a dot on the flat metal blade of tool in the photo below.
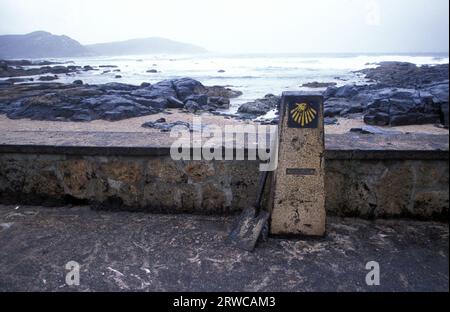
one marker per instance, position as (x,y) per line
(248,228)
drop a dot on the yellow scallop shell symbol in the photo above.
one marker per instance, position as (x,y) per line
(303,114)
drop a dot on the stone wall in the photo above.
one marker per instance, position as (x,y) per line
(156,184)
(369,188)
(388,188)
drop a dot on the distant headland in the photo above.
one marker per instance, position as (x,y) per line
(42,44)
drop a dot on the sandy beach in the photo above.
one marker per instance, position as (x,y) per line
(135,124)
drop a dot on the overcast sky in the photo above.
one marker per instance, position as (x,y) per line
(243,25)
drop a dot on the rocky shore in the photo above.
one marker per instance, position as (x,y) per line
(15,69)
(394,94)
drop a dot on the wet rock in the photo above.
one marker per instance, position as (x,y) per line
(406,75)
(48,78)
(19,80)
(221,71)
(16,69)
(61,69)
(5,83)
(260,106)
(185,87)
(118,76)
(219,101)
(224,92)
(444,114)
(78,82)
(191,106)
(374,130)
(330,121)
(87,68)
(173,102)
(316,84)
(163,126)
(329,92)
(378,119)
(111,101)
(346,91)
(162,89)
(18,63)
(200,99)
(402,94)
(117,86)
(152,71)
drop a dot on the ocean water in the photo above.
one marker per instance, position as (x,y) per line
(254,75)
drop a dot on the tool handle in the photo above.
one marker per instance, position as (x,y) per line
(262,183)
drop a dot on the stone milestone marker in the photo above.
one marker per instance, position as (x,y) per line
(299,197)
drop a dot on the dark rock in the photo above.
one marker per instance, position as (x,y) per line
(352,109)
(379,105)
(404,119)
(59,70)
(191,106)
(424,119)
(260,106)
(111,101)
(185,87)
(9,70)
(331,111)
(329,92)
(158,103)
(19,63)
(377,119)
(78,82)
(166,127)
(374,130)
(19,80)
(406,75)
(219,101)
(330,121)
(173,102)
(108,66)
(402,94)
(444,114)
(48,78)
(153,71)
(87,68)
(439,91)
(316,84)
(145,85)
(200,99)
(5,83)
(117,86)
(219,91)
(346,91)
(221,71)
(118,76)
(163,89)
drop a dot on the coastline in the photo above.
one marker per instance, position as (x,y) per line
(396,96)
